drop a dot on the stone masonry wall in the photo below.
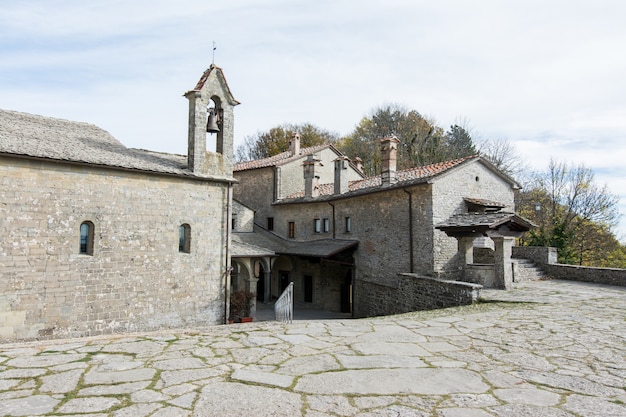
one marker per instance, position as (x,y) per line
(136,280)
(411,292)
(256,190)
(545,258)
(473,180)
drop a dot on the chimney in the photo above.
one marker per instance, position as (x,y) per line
(358,162)
(294,144)
(341,180)
(389,151)
(311,180)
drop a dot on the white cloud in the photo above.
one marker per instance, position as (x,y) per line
(546,75)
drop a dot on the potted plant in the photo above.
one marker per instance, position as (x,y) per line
(240,306)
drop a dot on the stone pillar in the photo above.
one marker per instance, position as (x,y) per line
(466,249)
(503,265)
(252,288)
(267,276)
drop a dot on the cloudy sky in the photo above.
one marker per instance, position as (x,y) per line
(548,75)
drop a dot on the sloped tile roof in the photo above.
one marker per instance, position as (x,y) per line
(263,243)
(24,134)
(484,203)
(412,175)
(280,159)
(484,221)
(250,245)
(219,73)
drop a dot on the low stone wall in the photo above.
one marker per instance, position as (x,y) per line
(482,274)
(546,258)
(411,292)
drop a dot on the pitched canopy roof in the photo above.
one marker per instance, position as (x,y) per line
(481,223)
(263,243)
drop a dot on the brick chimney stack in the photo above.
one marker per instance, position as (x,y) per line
(311,179)
(389,155)
(358,162)
(341,180)
(294,144)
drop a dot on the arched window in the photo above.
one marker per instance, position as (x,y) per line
(184,238)
(86,238)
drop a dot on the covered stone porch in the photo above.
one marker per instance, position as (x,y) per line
(503,229)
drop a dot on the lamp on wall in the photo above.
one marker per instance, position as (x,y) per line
(257,269)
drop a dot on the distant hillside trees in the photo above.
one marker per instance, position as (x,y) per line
(276,140)
(573,214)
(422,142)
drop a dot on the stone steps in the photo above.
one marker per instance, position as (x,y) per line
(526,270)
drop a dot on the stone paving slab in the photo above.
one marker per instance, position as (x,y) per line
(547,348)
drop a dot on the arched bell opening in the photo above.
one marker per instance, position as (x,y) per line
(215,125)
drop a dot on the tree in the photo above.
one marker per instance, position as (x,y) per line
(459,143)
(573,213)
(276,140)
(503,155)
(422,142)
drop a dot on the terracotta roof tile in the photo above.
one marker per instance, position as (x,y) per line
(410,175)
(277,160)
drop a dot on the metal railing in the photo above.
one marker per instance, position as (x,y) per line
(283,308)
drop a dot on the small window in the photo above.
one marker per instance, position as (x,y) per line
(184,238)
(348,225)
(292,230)
(270,223)
(86,238)
(317,226)
(233,222)
(326,225)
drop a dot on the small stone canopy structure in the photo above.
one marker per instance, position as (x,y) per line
(501,227)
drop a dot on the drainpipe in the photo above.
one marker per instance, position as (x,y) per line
(228,265)
(334,228)
(411,255)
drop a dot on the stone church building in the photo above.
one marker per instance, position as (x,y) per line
(100,238)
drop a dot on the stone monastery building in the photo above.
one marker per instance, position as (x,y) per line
(99,238)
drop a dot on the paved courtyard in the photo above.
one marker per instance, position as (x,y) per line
(550,348)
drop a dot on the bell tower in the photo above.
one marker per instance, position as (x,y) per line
(211,107)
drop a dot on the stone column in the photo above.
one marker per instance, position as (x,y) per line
(466,249)
(503,265)
(267,276)
(252,288)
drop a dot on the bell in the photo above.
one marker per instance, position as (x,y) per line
(211,125)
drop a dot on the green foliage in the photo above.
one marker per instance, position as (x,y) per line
(573,214)
(276,141)
(422,142)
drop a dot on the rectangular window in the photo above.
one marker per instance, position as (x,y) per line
(348,225)
(184,238)
(233,225)
(317,226)
(326,225)
(86,238)
(270,223)
(292,230)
